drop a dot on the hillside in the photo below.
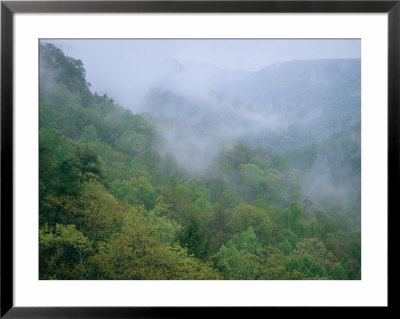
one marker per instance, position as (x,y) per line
(317,97)
(116,204)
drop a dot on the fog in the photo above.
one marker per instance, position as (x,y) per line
(205,95)
(125,69)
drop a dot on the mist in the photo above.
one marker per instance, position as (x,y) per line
(126,68)
(206,95)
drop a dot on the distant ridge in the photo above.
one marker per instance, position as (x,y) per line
(324,94)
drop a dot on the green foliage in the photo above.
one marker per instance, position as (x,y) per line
(337,272)
(89,134)
(58,173)
(193,237)
(238,260)
(47,115)
(356,249)
(131,143)
(286,247)
(304,268)
(63,252)
(316,250)
(341,158)
(112,207)
(216,188)
(246,240)
(87,162)
(203,204)
(289,236)
(245,216)
(135,254)
(291,219)
(272,264)
(55,66)
(161,226)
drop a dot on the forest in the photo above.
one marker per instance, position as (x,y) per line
(116,202)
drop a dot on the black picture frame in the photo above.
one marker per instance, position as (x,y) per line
(9,8)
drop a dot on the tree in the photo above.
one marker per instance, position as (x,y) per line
(272,262)
(137,191)
(111,207)
(289,236)
(240,154)
(89,134)
(290,219)
(66,70)
(245,216)
(304,267)
(337,272)
(131,143)
(216,187)
(290,216)
(63,252)
(143,192)
(286,247)
(135,254)
(315,249)
(47,115)
(251,177)
(95,212)
(87,161)
(238,259)
(163,227)
(193,237)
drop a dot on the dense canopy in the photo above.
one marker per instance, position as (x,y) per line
(113,206)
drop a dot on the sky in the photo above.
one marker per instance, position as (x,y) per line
(197,123)
(125,68)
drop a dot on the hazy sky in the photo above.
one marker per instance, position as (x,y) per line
(124,68)
(137,73)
